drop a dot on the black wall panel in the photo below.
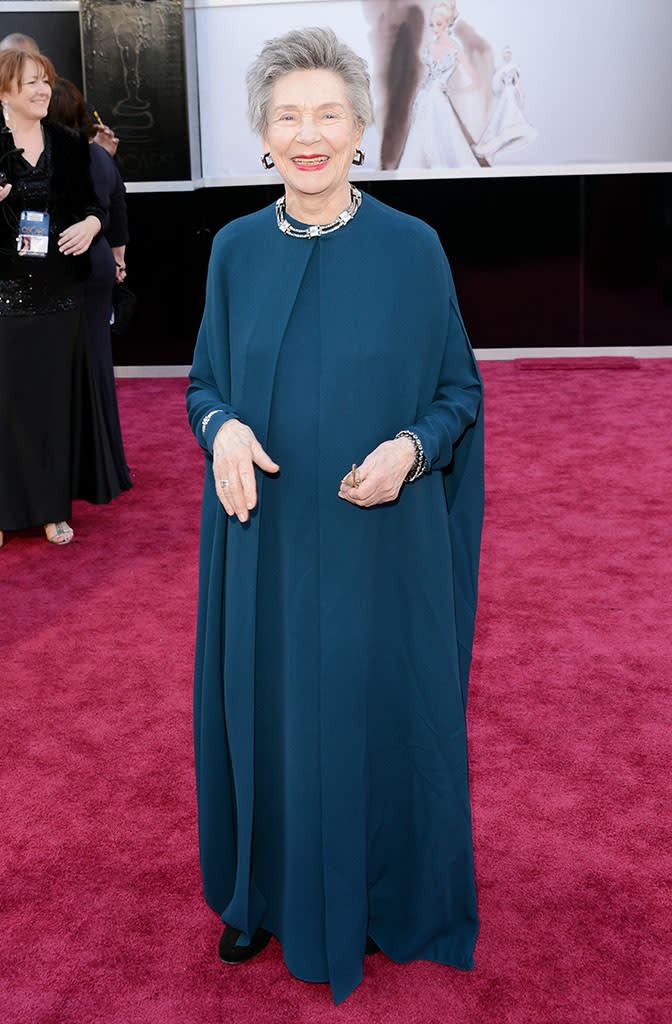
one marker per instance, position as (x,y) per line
(561,261)
(55,32)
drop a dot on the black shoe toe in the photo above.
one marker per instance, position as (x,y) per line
(232,954)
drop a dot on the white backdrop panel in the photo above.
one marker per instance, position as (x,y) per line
(597,77)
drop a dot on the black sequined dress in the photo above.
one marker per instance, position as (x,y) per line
(53,446)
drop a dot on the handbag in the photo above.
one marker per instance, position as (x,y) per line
(124,302)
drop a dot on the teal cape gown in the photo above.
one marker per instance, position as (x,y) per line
(334,642)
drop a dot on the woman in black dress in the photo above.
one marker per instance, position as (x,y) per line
(53,447)
(108,261)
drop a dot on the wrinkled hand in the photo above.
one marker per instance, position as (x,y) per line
(381,474)
(4,191)
(235,453)
(78,237)
(106,138)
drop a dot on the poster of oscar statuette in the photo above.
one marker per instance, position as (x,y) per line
(135,78)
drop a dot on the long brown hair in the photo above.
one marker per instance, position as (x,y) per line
(67,106)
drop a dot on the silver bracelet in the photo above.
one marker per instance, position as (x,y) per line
(206,419)
(420,465)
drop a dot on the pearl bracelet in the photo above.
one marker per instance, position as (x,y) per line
(206,419)
(420,465)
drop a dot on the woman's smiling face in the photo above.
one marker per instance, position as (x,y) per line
(312,133)
(29,98)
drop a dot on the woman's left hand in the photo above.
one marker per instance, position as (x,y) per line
(381,475)
(119,253)
(76,239)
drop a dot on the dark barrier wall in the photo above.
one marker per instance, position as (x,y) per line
(550,261)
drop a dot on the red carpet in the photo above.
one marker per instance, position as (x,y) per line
(571,738)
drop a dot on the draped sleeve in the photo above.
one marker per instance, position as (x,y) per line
(457,398)
(208,393)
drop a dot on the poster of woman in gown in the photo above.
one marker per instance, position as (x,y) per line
(428,60)
(508,127)
(437,136)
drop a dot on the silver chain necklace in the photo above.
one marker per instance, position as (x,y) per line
(315,230)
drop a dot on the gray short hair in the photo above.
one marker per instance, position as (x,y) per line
(19,41)
(306,49)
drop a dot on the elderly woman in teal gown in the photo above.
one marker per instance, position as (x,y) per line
(338,402)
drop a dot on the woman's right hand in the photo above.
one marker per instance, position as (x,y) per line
(4,191)
(106,138)
(235,453)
